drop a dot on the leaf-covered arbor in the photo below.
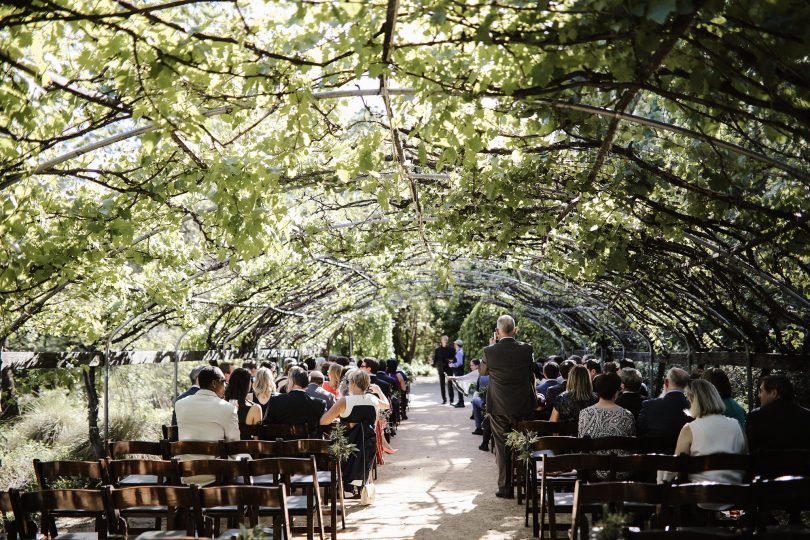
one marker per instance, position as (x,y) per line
(266,170)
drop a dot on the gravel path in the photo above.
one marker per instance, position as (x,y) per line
(439,485)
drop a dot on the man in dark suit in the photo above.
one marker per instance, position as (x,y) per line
(296,407)
(661,419)
(511,393)
(779,423)
(442,356)
(190,392)
(372,366)
(553,392)
(630,398)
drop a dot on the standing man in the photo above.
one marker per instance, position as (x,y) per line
(457,367)
(442,356)
(511,392)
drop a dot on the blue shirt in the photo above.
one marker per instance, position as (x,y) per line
(459,359)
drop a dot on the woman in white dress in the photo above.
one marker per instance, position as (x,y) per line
(358,411)
(711,432)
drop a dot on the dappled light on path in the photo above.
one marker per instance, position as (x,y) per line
(439,485)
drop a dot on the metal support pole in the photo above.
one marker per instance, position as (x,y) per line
(652,360)
(177,360)
(351,343)
(107,373)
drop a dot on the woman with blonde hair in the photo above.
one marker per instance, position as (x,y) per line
(263,389)
(711,432)
(334,374)
(578,395)
(358,410)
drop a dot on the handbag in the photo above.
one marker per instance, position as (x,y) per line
(369,491)
(368,494)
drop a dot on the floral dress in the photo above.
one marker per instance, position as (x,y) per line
(568,408)
(598,422)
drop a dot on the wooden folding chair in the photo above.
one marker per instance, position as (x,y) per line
(255,449)
(684,500)
(53,475)
(220,472)
(271,432)
(712,462)
(6,509)
(557,478)
(170,433)
(788,493)
(277,471)
(592,497)
(194,449)
(174,503)
(134,449)
(329,475)
(776,463)
(140,472)
(542,428)
(241,502)
(63,502)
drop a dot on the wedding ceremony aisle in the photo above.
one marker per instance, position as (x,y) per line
(439,485)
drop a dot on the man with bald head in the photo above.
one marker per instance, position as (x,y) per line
(661,419)
(510,394)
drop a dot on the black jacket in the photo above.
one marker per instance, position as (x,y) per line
(662,419)
(296,407)
(510,367)
(441,356)
(781,425)
(631,401)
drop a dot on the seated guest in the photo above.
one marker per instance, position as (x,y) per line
(464,382)
(264,387)
(342,361)
(205,416)
(711,432)
(577,396)
(358,411)
(284,378)
(779,424)
(625,363)
(553,392)
(315,390)
(371,366)
(719,379)
(630,397)
(296,407)
(190,392)
(551,377)
(610,367)
(661,419)
(332,385)
(594,367)
(248,412)
(226,368)
(392,368)
(250,365)
(606,419)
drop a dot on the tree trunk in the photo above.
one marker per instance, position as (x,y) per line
(412,345)
(89,376)
(9,408)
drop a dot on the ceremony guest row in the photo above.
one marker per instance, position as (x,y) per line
(369,397)
(694,415)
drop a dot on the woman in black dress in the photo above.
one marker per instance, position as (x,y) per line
(238,388)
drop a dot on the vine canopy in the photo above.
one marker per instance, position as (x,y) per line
(272,170)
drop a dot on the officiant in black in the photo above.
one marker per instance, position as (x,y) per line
(442,356)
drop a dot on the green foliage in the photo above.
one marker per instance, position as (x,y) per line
(340,449)
(521,443)
(263,215)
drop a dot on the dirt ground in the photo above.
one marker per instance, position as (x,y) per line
(439,485)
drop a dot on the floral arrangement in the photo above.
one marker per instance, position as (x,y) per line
(521,443)
(341,449)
